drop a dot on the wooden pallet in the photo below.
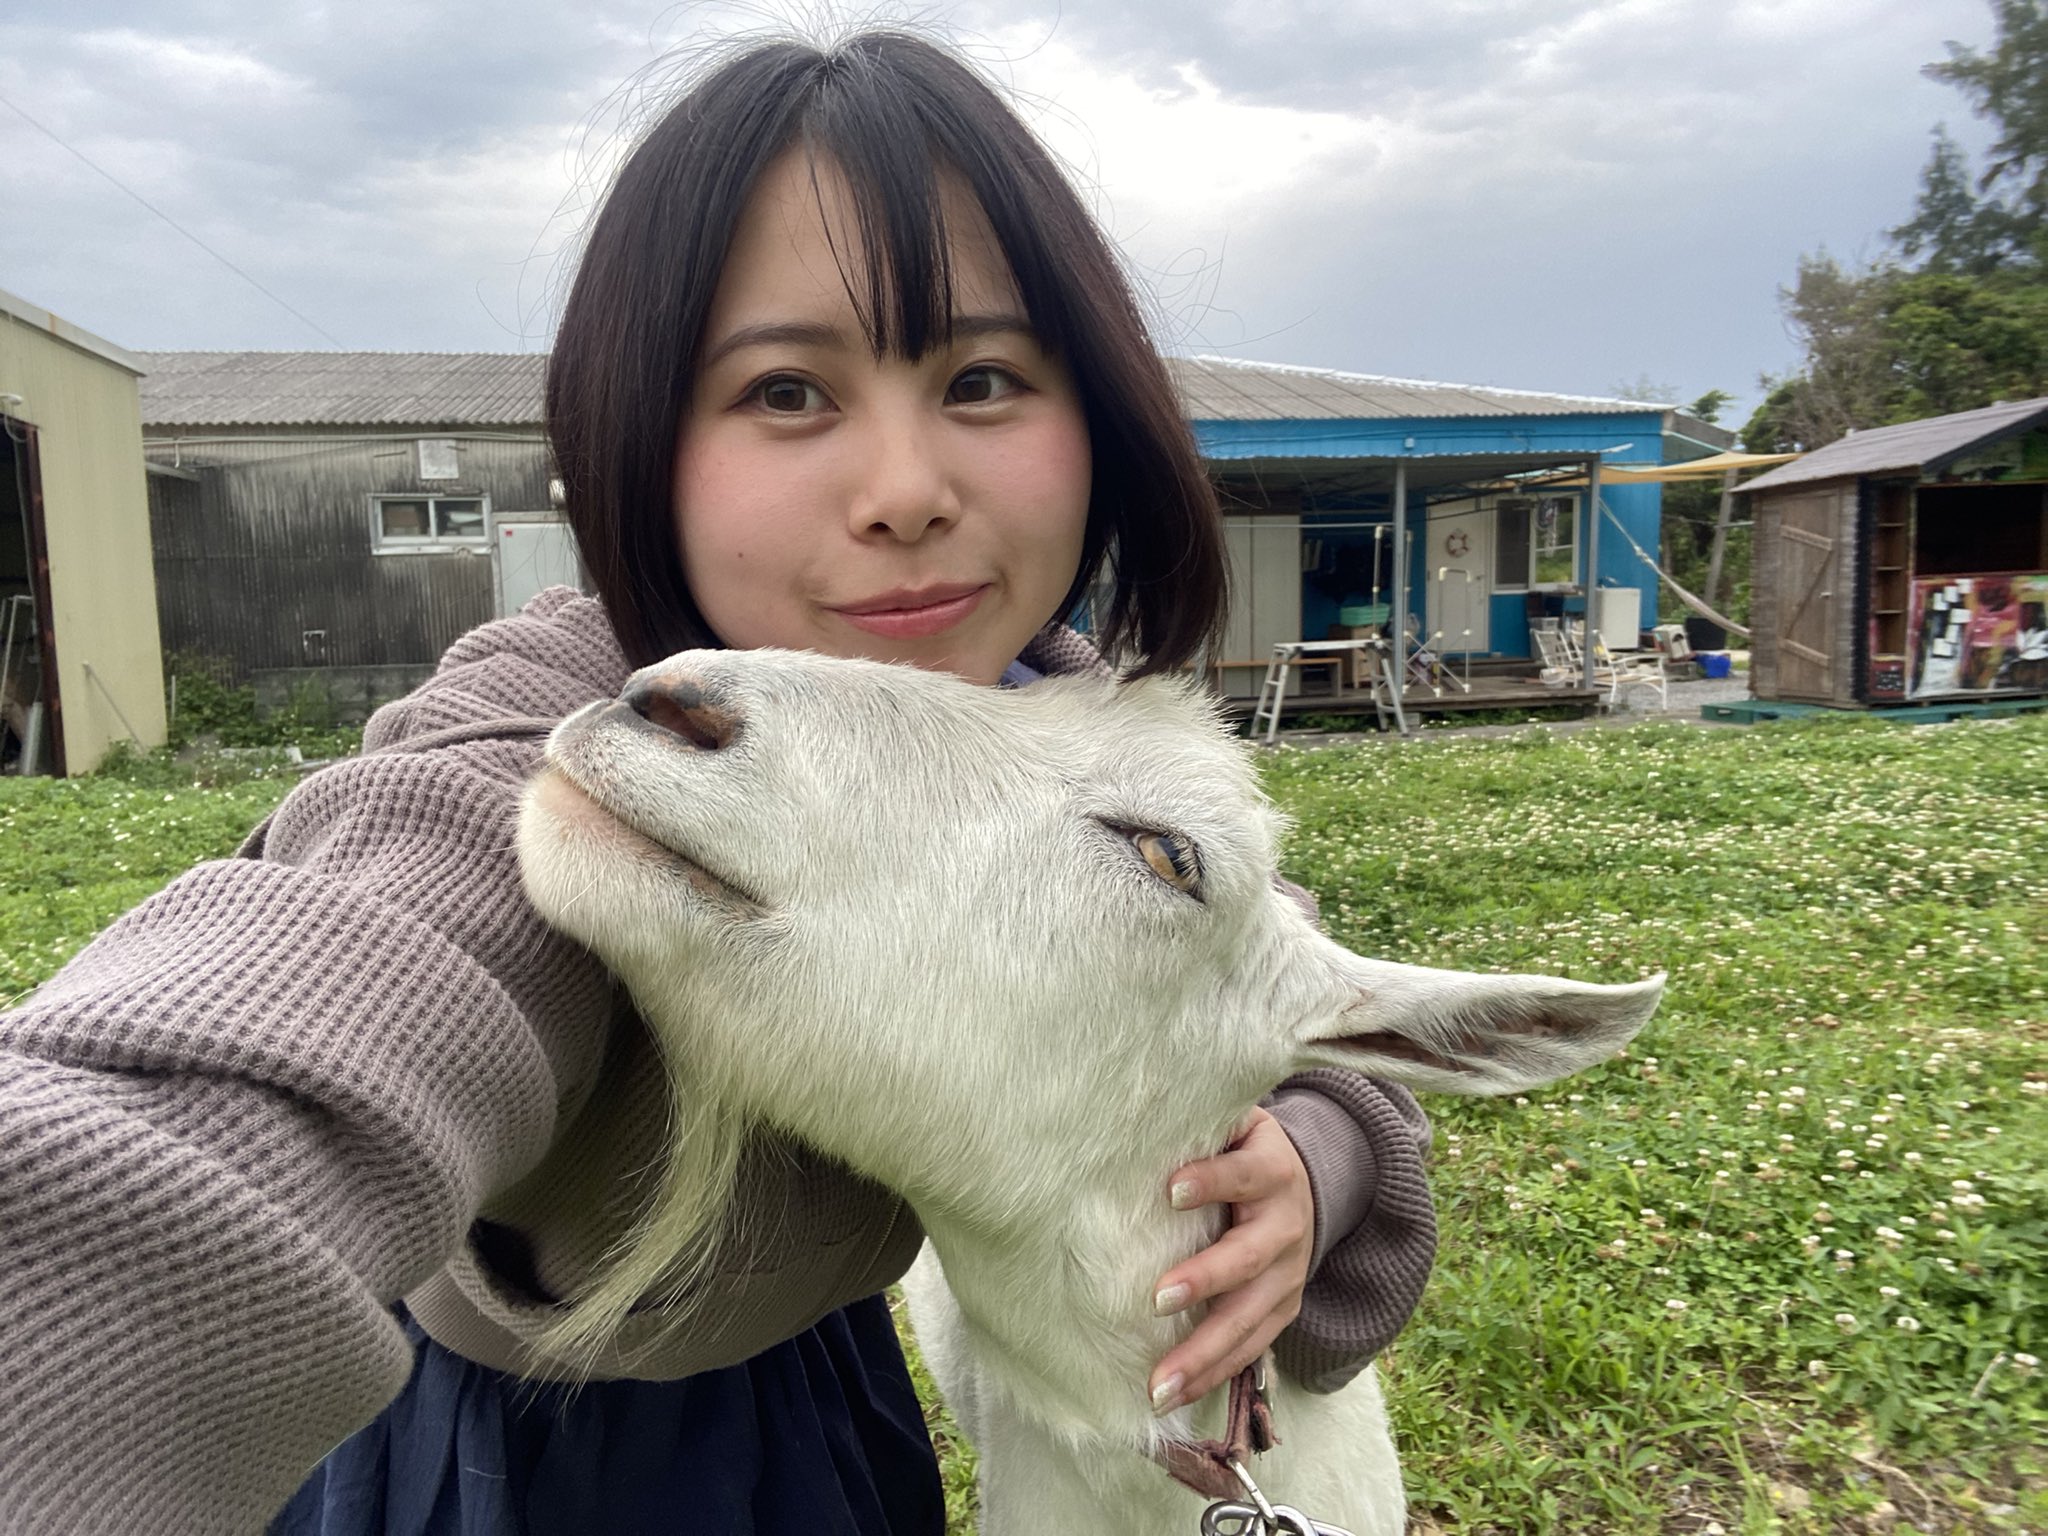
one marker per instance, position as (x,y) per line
(1757,711)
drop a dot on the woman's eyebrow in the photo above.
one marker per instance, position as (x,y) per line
(777,333)
(811,333)
(972,327)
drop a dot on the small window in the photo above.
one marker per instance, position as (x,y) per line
(424,523)
(1536,539)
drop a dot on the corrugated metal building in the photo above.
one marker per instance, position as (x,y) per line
(79,662)
(307,464)
(1906,563)
(1326,473)
(345,515)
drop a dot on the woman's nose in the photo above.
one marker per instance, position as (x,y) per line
(907,489)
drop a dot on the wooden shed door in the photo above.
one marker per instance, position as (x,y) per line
(1806,663)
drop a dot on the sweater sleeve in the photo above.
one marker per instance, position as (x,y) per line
(249,1116)
(1363,1142)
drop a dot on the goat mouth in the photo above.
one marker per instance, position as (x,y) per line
(569,802)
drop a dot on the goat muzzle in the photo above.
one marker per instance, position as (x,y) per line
(676,705)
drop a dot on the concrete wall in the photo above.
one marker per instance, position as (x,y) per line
(79,393)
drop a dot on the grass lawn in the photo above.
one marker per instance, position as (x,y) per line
(1782,1268)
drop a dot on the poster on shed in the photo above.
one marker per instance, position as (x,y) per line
(1980,635)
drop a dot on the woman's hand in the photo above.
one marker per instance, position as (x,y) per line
(1253,1275)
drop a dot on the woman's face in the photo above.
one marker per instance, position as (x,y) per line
(929,512)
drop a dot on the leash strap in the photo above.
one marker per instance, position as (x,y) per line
(1205,1465)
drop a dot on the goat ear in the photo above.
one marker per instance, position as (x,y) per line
(1465,1032)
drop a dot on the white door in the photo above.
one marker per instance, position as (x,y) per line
(530,552)
(1458,584)
(1265,607)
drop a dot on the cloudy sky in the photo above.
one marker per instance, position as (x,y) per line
(1574,195)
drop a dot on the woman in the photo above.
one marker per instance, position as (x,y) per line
(318,1144)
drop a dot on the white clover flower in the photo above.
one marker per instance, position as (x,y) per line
(1818,1369)
(1674,1306)
(1810,1242)
(1888,1292)
(1912,1157)
(2025,1363)
(1962,1184)
(1846,1321)
(1906,1324)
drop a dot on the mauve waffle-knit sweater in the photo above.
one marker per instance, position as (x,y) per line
(346,1066)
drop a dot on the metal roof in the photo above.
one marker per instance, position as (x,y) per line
(478,389)
(341,389)
(1910,447)
(1228,389)
(15,310)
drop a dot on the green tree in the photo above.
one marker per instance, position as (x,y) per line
(1709,406)
(2009,86)
(1958,342)
(1952,230)
(1961,319)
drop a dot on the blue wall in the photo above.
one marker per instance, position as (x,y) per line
(1626,438)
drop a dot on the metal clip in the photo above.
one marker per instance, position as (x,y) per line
(1229,1518)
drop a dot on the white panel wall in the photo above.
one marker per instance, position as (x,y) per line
(1265,577)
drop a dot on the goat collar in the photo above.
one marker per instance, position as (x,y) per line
(1205,1465)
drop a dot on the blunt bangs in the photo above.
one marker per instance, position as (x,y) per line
(895,117)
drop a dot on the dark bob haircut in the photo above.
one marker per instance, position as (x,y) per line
(890,112)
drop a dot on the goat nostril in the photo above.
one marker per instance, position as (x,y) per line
(680,708)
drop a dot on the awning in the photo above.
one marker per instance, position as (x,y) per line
(1711,468)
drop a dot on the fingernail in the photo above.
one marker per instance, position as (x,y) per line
(1170,1299)
(1166,1396)
(1185,1196)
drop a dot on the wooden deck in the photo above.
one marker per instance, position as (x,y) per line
(1494,686)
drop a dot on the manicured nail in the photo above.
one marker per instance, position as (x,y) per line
(1185,1196)
(1170,1299)
(1166,1396)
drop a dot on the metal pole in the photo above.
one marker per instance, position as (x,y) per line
(1400,626)
(1591,539)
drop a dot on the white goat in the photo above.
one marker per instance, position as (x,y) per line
(1017,955)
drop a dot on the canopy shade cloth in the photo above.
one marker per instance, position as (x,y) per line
(1692,469)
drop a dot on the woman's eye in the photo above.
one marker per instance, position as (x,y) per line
(980,386)
(1171,858)
(787,396)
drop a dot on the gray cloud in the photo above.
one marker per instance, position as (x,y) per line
(1544,193)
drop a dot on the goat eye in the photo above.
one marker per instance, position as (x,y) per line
(1172,859)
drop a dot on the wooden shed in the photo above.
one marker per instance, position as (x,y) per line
(79,664)
(1906,564)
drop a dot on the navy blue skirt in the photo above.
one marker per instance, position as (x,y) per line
(819,1436)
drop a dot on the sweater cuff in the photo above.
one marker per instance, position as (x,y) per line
(1343,1172)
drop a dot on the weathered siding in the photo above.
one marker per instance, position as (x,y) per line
(273,562)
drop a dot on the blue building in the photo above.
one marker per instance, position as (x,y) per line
(302,483)
(1483,492)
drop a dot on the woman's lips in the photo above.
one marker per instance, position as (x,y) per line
(913,616)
